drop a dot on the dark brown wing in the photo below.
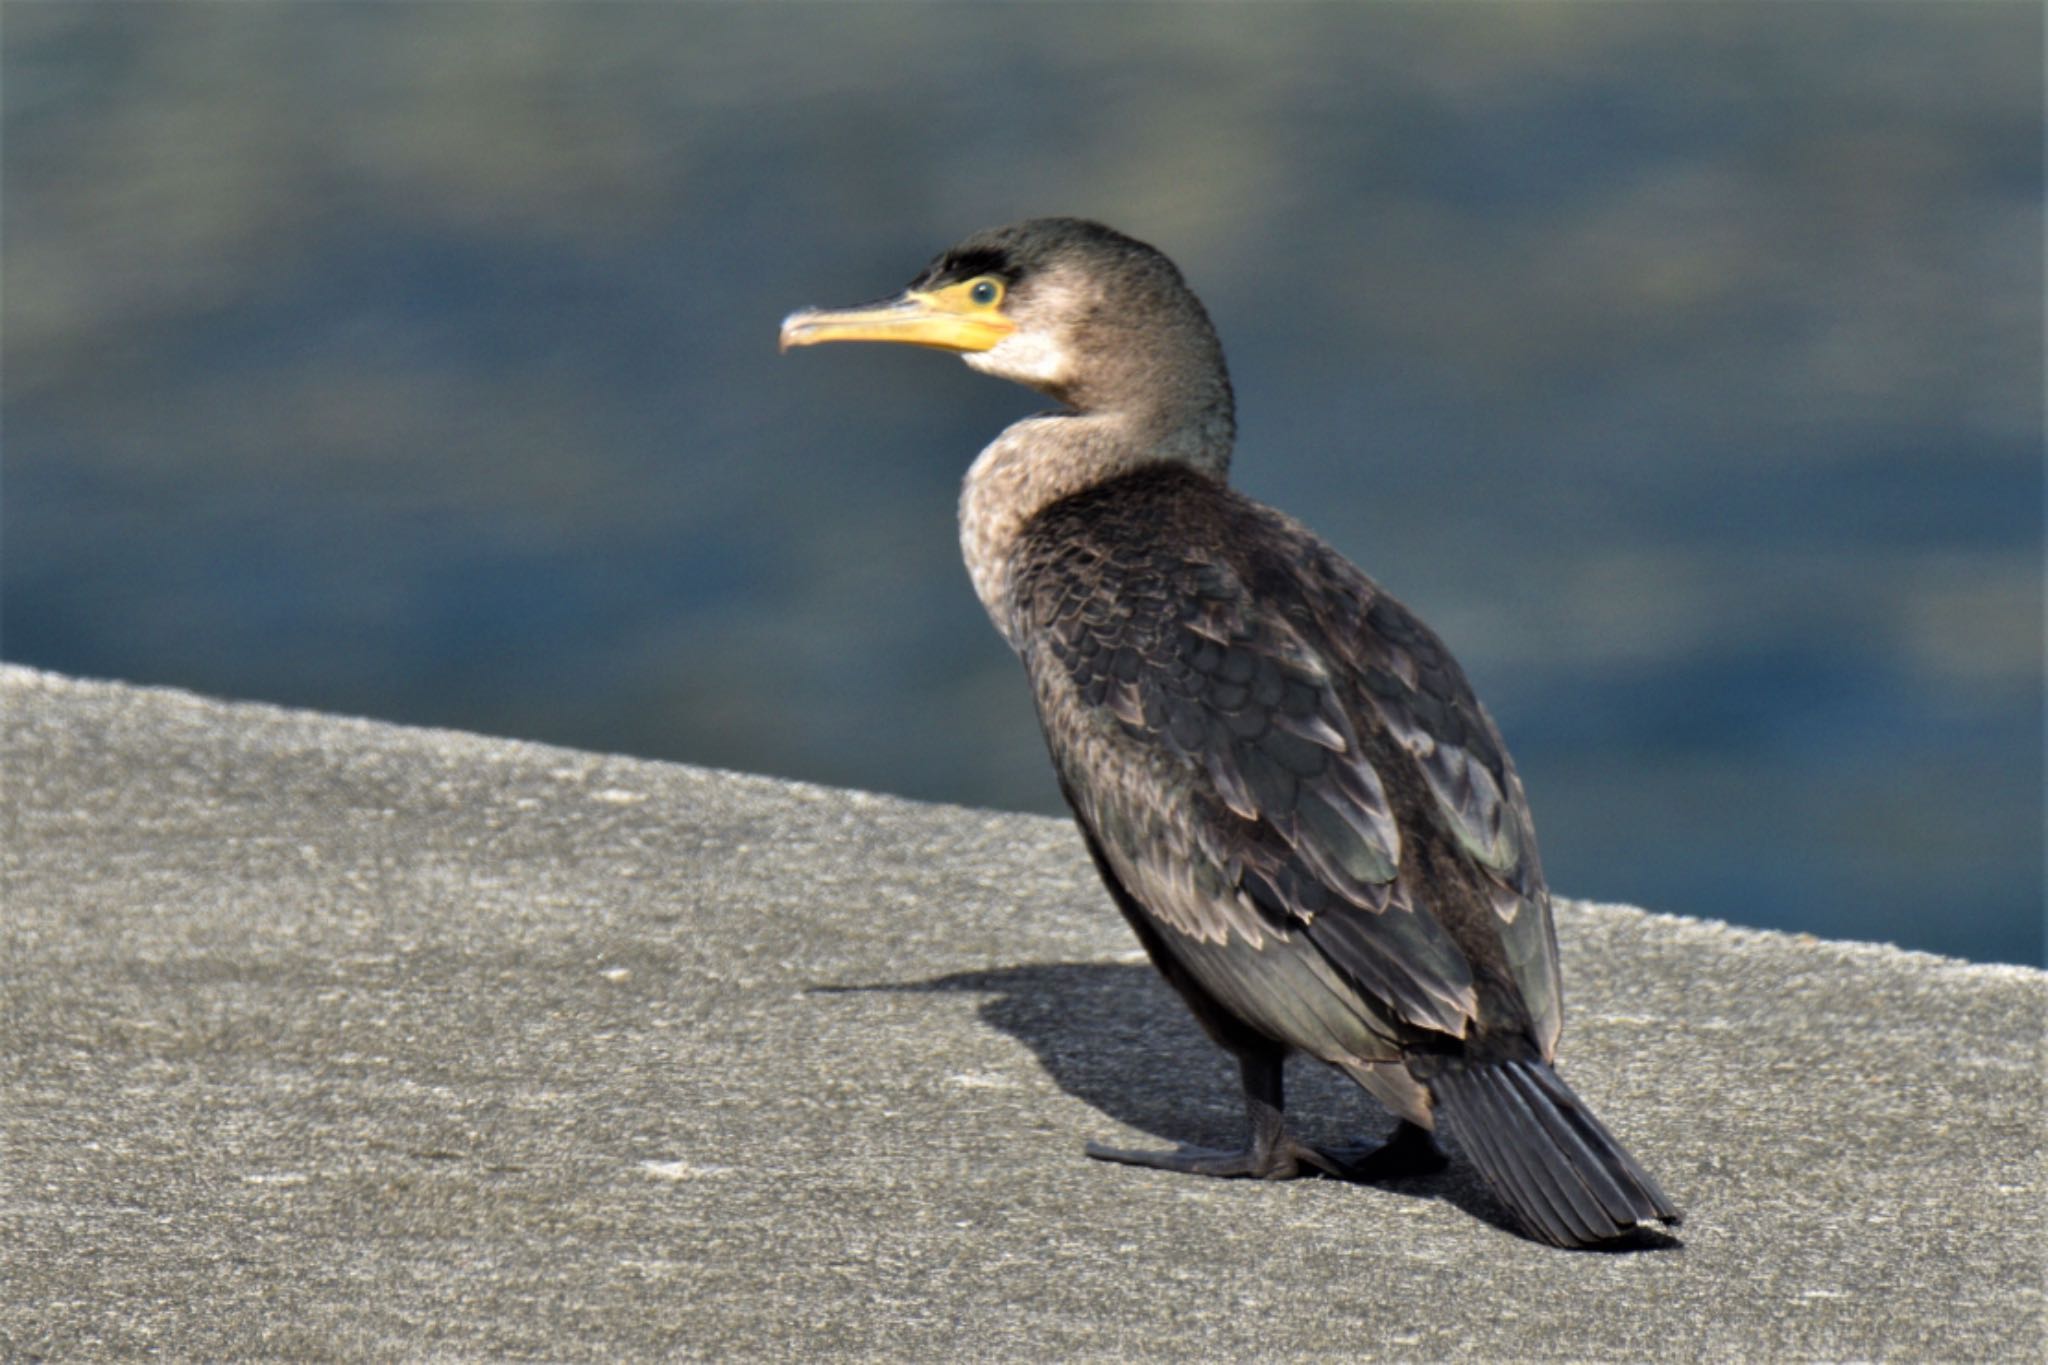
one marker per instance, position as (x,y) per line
(1415,688)
(1281,766)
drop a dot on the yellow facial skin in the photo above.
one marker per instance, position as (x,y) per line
(967,316)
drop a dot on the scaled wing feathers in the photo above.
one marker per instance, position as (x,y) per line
(1253,733)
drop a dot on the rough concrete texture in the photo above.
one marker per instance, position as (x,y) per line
(330,1038)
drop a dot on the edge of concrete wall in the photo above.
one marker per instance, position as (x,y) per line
(327,1036)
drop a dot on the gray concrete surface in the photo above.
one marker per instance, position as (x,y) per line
(330,1038)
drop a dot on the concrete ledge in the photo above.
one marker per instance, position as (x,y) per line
(324,1037)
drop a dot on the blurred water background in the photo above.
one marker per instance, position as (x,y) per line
(1681,363)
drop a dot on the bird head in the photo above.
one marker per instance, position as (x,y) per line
(1073,309)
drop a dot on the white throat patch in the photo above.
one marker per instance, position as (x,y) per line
(1029,358)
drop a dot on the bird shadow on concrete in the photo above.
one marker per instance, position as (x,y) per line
(1116,1037)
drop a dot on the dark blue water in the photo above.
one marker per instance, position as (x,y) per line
(1682,364)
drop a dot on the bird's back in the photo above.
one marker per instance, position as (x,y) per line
(1286,770)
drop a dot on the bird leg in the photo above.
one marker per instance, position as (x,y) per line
(1270,1151)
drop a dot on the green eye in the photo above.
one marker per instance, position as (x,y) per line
(985,292)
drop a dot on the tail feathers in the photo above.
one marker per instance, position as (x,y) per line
(1545,1155)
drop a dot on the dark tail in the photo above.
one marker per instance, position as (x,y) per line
(1545,1155)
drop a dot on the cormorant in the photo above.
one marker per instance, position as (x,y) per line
(1282,774)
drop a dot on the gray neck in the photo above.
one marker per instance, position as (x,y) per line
(1040,460)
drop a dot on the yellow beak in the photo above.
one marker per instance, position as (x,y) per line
(946,320)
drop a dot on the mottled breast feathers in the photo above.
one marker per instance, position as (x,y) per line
(1273,754)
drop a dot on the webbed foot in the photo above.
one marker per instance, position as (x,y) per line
(1283,1159)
